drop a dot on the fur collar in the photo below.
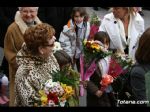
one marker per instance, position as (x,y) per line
(22,25)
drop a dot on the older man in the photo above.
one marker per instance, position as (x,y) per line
(24,18)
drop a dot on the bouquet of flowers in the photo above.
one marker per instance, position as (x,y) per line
(119,65)
(119,69)
(95,23)
(94,50)
(57,91)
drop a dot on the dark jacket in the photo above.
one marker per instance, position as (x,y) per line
(137,80)
(94,85)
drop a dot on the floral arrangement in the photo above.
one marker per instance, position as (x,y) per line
(95,23)
(119,69)
(94,50)
(120,64)
(106,81)
(57,91)
(95,20)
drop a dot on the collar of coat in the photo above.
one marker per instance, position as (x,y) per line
(22,25)
(136,16)
(70,26)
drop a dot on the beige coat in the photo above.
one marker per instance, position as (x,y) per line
(12,44)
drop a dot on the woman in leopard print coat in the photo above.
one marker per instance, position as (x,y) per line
(36,63)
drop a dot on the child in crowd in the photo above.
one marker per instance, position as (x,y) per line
(64,61)
(76,30)
(96,97)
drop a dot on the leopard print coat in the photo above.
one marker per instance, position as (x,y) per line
(31,74)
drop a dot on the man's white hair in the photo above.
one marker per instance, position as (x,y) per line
(20,8)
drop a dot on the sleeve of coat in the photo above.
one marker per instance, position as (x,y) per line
(140,25)
(10,50)
(29,90)
(102,26)
(91,87)
(66,44)
(138,83)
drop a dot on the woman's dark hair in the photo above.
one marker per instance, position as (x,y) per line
(82,12)
(102,37)
(62,58)
(142,54)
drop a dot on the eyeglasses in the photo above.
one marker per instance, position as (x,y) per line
(51,45)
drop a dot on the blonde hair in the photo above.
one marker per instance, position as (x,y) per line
(131,10)
(20,8)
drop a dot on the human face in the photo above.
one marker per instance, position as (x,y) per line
(28,14)
(78,18)
(120,12)
(48,48)
(106,45)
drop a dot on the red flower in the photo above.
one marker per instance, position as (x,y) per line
(88,44)
(106,80)
(53,96)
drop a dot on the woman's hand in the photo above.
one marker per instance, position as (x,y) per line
(84,83)
(99,93)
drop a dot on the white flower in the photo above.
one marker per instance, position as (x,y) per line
(49,84)
(51,103)
(62,103)
(57,47)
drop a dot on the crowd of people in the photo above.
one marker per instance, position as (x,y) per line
(29,41)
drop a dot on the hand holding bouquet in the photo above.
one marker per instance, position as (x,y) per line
(106,81)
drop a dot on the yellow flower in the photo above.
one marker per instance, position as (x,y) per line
(44,100)
(95,46)
(69,90)
(43,97)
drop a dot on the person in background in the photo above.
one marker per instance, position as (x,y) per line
(142,66)
(124,27)
(64,61)
(76,30)
(36,63)
(24,18)
(96,97)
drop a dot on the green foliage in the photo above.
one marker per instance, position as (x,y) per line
(90,54)
(66,76)
(95,20)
